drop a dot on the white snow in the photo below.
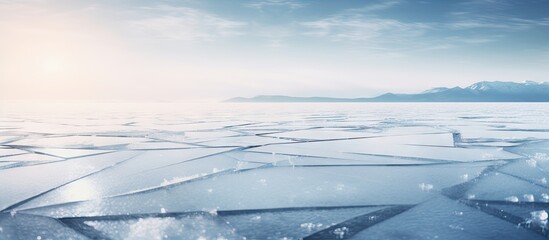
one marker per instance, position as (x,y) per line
(529,197)
(512,199)
(539,215)
(426,187)
(340,232)
(545,197)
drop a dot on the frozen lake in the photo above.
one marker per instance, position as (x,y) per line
(274,171)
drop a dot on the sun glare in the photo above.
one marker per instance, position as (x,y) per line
(81,190)
(52,65)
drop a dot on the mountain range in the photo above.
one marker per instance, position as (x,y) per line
(485,91)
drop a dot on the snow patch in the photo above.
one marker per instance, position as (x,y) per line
(512,199)
(341,232)
(529,197)
(426,187)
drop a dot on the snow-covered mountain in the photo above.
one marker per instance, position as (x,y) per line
(527,87)
(435,90)
(485,91)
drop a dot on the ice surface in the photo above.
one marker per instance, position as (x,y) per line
(158,145)
(76,141)
(498,186)
(320,134)
(337,159)
(190,136)
(441,218)
(275,171)
(4,151)
(189,226)
(370,147)
(24,226)
(20,184)
(4,164)
(285,186)
(528,170)
(67,153)
(243,141)
(526,211)
(289,223)
(30,157)
(6,139)
(331,134)
(121,180)
(501,134)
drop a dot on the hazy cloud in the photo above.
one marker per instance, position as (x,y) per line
(499,23)
(381,5)
(186,24)
(275,3)
(357,27)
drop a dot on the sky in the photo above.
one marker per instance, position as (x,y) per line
(212,50)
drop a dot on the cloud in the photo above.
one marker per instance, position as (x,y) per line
(497,22)
(492,14)
(376,34)
(184,24)
(474,39)
(494,5)
(260,5)
(382,5)
(367,29)
(358,27)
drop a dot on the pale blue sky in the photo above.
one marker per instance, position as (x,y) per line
(196,49)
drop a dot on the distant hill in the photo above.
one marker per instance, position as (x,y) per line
(479,92)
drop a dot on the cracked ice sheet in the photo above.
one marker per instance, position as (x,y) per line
(24,226)
(158,145)
(441,218)
(271,128)
(291,224)
(341,159)
(31,157)
(193,226)
(62,127)
(10,151)
(210,134)
(34,180)
(76,141)
(196,126)
(489,144)
(124,180)
(371,147)
(531,170)
(500,187)
(68,153)
(536,149)
(321,134)
(286,187)
(5,139)
(192,137)
(243,141)
(522,210)
(527,125)
(485,132)
(4,164)
(429,139)
(536,167)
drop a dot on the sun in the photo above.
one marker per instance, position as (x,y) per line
(52,65)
